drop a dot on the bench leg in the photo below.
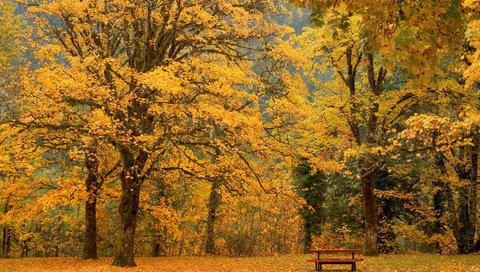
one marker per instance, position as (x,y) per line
(319,267)
(354,266)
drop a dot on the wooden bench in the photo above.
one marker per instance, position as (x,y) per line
(335,260)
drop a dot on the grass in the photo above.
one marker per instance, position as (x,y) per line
(409,262)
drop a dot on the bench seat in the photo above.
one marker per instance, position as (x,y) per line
(319,262)
(335,261)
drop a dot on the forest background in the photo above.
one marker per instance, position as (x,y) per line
(164,128)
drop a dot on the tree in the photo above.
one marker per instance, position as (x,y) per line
(453,147)
(355,44)
(449,135)
(13,31)
(94,181)
(12,28)
(352,62)
(11,48)
(312,188)
(212,206)
(150,78)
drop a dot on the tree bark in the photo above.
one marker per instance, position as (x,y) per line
(158,241)
(6,239)
(476,248)
(371,214)
(439,209)
(155,249)
(128,211)
(91,184)
(159,245)
(463,217)
(439,199)
(467,170)
(473,184)
(366,135)
(25,250)
(466,230)
(307,237)
(6,242)
(452,210)
(468,199)
(213,203)
(369,166)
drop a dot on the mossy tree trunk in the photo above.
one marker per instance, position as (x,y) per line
(92,185)
(128,208)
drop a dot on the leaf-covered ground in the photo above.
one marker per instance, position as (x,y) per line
(410,262)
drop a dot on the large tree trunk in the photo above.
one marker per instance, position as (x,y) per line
(369,166)
(91,184)
(465,227)
(213,203)
(128,211)
(467,203)
(371,214)
(463,218)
